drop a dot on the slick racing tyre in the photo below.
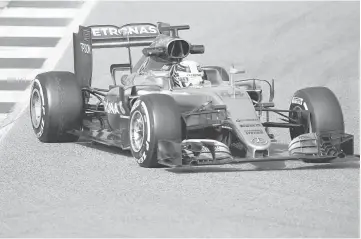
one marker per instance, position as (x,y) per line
(55,106)
(325,111)
(153,117)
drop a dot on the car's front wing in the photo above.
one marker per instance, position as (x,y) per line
(202,152)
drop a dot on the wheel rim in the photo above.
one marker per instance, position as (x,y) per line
(305,128)
(137,131)
(35,108)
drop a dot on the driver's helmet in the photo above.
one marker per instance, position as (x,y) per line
(188,74)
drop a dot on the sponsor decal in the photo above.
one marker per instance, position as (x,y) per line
(114,108)
(259,141)
(111,107)
(120,104)
(220,148)
(142,158)
(166,68)
(144,150)
(194,75)
(205,150)
(230,94)
(135,105)
(106,31)
(147,120)
(241,120)
(254,131)
(62,96)
(305,105)
(250,125)
(85,48)
(216,148)
(226,127)
(86,34)
(42,122)
(297,100)
(113,31)
(307,137)
(136,30)
(302,137)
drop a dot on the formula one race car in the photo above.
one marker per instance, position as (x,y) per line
(163,118)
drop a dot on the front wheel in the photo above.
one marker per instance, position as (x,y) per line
(324,116)
(325,111)
(153,117)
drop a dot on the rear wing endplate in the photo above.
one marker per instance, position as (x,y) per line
(83,60)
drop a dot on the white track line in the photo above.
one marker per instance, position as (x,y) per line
(49,65)
(25,52)
(2,116)
(39,12)
(26,31)
(5,129)
(19,74)
(9,96)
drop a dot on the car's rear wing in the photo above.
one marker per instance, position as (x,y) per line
(129,35)
(107,36)
(110,36)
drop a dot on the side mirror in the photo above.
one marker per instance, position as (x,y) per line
(117,71)
(120,67)
(233,70)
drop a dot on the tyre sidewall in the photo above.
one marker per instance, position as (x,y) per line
(145,155)
(43,128)
(61,106)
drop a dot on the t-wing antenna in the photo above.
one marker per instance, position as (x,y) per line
(172,31)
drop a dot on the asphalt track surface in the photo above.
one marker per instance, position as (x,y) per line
(84,190)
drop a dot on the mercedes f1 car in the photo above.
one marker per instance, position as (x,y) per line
(223,121)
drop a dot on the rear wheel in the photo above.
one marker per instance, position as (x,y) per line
(153,117)
(55,106)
